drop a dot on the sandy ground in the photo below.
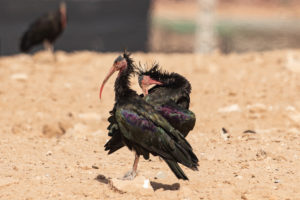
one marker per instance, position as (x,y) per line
(53,128)
(239,9)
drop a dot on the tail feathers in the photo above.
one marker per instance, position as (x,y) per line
(176,169)
(186,157)
(114,148)
(194,160)
(114,144)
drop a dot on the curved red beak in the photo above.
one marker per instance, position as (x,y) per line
(146,82)
(111,71)
(119,65)
(154,82)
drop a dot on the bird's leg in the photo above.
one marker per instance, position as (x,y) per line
(135,163)
(49,47)
(132,173)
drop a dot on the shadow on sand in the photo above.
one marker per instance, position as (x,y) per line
(102,179)
(155,185)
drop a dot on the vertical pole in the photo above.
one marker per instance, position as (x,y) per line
(205,40)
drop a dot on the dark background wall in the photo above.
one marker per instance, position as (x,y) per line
(99,25)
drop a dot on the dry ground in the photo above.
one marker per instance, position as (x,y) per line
(53,128)
(234,9)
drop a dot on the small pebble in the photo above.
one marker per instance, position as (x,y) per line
(160,175)
(224,130)
(224,134)
(228,109)
(249,131)
(146,184)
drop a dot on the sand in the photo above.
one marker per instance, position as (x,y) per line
(53,128)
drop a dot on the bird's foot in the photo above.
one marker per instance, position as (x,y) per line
(129,175)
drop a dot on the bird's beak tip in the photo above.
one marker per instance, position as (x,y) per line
(112,70)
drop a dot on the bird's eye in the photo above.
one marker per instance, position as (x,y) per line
(118,66)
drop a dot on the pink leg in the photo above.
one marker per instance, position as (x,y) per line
(132,173)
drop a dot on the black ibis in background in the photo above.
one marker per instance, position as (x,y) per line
(45,29)
(171,98)
(142,129)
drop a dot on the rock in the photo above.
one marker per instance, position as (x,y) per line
(231,108)
(139,185)
(146,184)
(249,131)
(49,153)
(160,175)
(95,167)
(239,177)
(276,181)
(19,77)
(224,134)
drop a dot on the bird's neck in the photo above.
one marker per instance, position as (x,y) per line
(122,85)
(63,17)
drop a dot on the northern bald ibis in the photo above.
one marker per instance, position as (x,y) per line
(142,129)
(45,29)
(171,98)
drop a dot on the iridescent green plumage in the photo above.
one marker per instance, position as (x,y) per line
(171,99)
(143,129)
